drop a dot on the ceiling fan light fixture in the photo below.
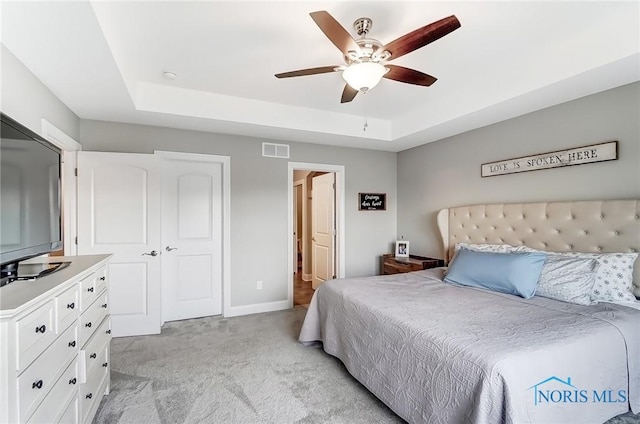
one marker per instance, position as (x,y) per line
(363,76)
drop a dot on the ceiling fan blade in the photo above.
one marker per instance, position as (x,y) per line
(410,76)
(421,37)
(309,71)
(348,94)
(335,32)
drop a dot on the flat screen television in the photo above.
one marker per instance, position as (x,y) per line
(30,198)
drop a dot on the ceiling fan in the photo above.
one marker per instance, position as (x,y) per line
(366,58)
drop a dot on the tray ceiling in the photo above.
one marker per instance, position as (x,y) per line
(105,60)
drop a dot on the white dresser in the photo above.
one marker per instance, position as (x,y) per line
(54,344)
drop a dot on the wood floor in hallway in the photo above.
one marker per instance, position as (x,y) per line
(302,291)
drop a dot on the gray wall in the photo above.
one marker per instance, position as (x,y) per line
(27,100)
(259,231)
(447,172)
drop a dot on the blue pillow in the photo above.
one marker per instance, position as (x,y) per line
(512,273)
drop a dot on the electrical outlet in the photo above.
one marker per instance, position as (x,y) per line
(259,285)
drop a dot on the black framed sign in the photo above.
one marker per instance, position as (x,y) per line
(372,201)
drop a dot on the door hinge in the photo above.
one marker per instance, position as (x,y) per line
(75,171)
(76,240)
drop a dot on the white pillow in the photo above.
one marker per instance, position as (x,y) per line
(479,247)
(614,277)
(482,247)
(568,279)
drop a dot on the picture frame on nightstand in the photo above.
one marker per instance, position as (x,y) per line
(402,249)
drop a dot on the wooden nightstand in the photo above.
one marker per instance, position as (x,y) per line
(389,264)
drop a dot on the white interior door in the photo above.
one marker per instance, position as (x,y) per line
(323,226)
(191,238)
(119,213)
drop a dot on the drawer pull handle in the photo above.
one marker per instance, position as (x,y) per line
(71,305)
(93,356)
(104,305)
(108,331)
(105,364)
(89,396)
(88,325)
(41,329)
(37,385)
(72,344)
(103,278)
(90,289)
(72,381)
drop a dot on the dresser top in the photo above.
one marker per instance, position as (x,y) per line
(24,293)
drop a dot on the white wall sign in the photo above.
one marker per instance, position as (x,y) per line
(577,156)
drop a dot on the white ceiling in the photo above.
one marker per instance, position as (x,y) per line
(105,59)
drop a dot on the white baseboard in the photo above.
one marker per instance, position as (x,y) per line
(256,308)
(307,277)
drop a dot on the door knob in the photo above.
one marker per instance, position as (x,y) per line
(169,248)
(152,253)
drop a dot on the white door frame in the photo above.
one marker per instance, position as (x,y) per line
(296,224)
(340,217)
(69,188)
(226,215)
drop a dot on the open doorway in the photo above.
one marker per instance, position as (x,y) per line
(316,222)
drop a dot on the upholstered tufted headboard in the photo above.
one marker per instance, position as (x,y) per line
(586,226)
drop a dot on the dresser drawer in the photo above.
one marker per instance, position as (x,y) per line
(90,319)
(96,352)
(101,279)
(34,333)
(71,414)
(36,381)
(88,291)
(93,390)
(68,307)
(55,404)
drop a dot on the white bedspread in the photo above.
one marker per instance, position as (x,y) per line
(436,353)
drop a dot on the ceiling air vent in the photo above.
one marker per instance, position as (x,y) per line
(272,150)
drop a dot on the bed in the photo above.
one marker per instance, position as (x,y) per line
(441,353)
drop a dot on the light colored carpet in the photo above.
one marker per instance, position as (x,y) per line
(248,369)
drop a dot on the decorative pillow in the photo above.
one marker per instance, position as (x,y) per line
(568,279)
(511,273)
(614,277)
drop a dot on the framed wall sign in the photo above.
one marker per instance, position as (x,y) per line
(402,249)
(372,201)
(576,156)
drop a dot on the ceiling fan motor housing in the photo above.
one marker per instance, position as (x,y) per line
(371,48)
(363,26)
(371,51)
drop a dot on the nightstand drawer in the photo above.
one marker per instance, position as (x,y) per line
(398,267)
(390,264)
